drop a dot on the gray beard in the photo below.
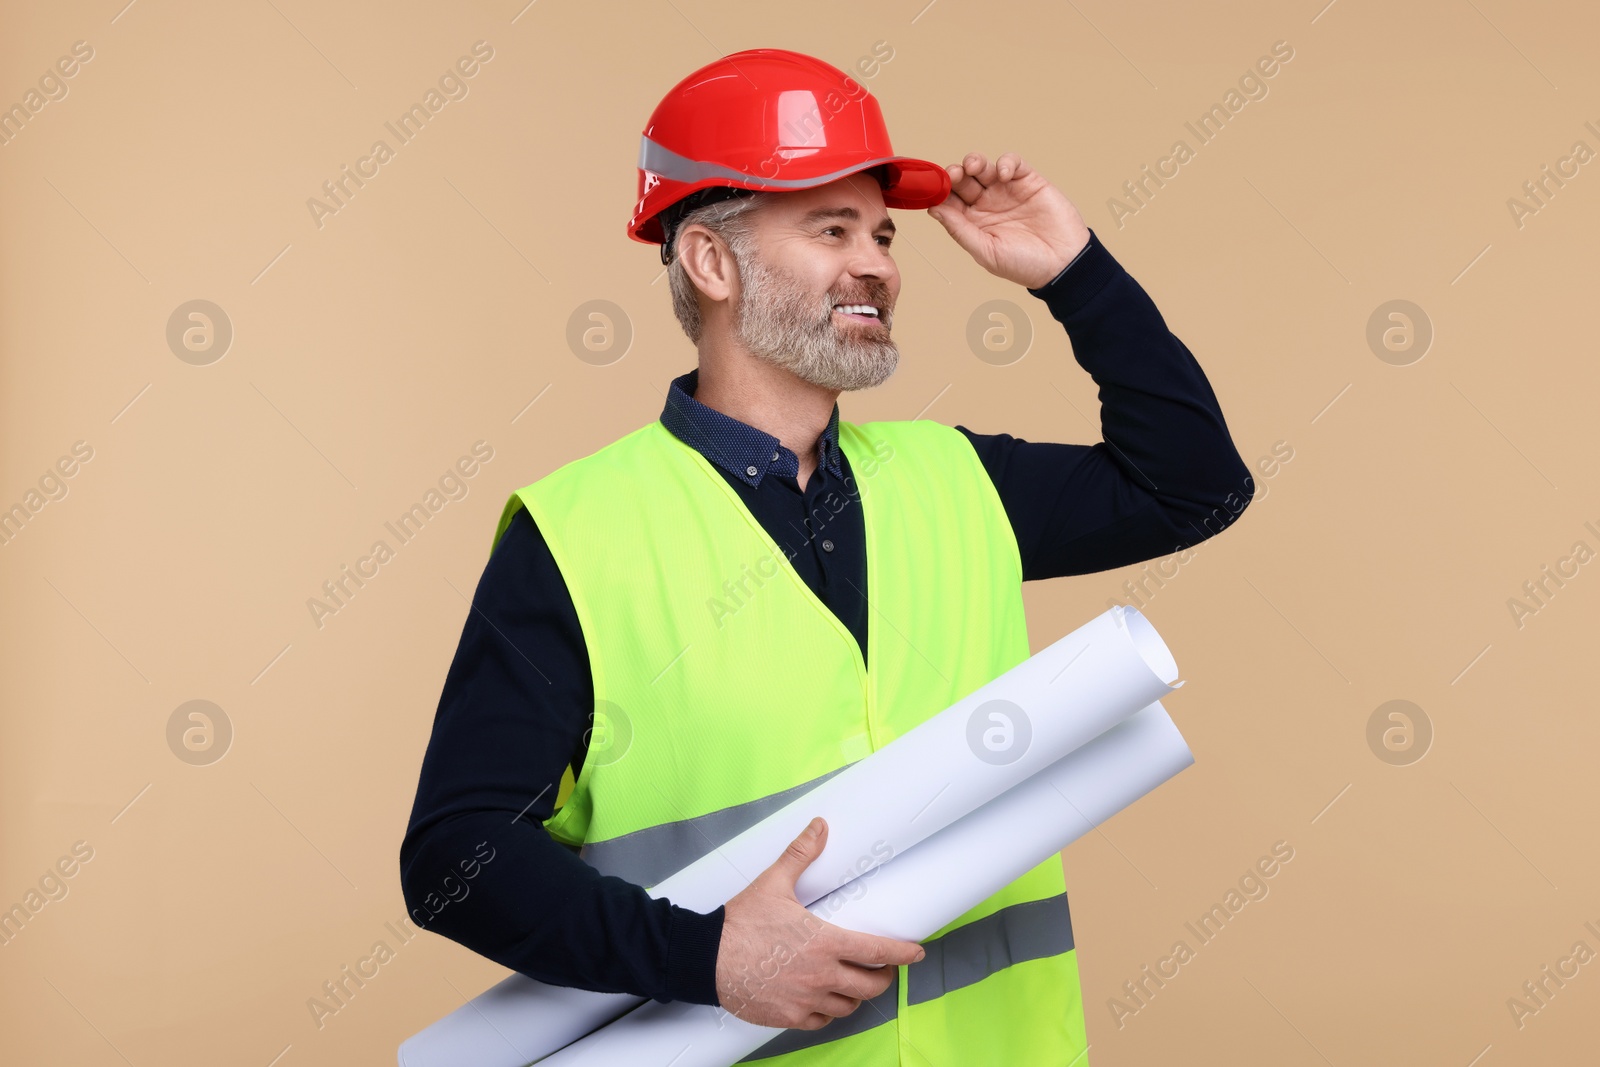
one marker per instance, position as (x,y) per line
(781,324)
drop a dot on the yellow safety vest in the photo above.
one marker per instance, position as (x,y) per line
(724,688)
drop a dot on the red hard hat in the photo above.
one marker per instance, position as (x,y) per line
(772,120)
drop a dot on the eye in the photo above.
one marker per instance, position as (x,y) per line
(885,238)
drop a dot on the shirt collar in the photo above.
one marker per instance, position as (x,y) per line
(737,447)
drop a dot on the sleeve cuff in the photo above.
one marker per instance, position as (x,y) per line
(1079,280)
(692,942)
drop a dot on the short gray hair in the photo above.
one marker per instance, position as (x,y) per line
(732,222)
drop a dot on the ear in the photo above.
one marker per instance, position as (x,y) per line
(708,262)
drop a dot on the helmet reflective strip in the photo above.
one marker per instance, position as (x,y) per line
(670,165)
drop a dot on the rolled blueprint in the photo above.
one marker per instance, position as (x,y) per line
(880,806)
(915,894)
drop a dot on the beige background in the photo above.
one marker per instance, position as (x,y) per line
(431,311)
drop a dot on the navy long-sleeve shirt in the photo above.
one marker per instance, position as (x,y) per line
(517,702)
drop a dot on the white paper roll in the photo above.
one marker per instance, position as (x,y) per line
(917,893)
(882,805)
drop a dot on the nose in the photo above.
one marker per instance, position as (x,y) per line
(870,262)
(870,257)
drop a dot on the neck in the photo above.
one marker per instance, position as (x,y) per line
(769,398)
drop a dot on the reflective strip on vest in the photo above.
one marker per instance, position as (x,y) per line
(971,953)
(965,956)
(655,853)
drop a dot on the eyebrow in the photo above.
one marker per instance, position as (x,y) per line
(823,213)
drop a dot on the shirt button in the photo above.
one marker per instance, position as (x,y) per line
(751,471)
(827,546)
(774,457)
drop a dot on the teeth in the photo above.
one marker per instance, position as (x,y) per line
(857,309)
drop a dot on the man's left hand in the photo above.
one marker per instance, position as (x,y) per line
(1011,219)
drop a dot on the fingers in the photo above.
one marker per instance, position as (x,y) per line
(826,1008)
(1011,166)
(952,215)
(837,1005)
(861,982)
(964,181)
(800,853)
(870,950)
(975,173)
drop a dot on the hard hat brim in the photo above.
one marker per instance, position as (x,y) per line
(916,184)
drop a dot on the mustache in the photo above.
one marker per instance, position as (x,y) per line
(878,298)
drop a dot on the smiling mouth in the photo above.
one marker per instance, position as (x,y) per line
(857,313)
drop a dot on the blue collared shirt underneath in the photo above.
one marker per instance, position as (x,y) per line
(737,447)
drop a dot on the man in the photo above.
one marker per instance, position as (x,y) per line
(693,625)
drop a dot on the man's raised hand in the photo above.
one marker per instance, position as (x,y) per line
(1011,219)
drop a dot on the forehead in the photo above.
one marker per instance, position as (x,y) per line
(855,198)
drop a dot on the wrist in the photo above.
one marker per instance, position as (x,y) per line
(1078,249)
(1074,288)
